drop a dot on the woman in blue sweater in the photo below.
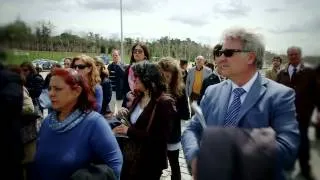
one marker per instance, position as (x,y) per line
(73,135)
(86,66)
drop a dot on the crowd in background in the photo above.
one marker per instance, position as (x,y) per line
(124,121)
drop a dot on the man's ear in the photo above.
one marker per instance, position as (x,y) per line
(251,57)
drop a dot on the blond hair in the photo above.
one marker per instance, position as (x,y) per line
(168,64)
(94,75)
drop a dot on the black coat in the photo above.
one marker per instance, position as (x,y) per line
(107,94)
(183,113)
(210,80)
(116,72)
(11,100)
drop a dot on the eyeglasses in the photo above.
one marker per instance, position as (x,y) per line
(139,51)
(67,64)
(79,66)
(229,52)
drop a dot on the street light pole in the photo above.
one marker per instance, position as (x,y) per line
(121,53)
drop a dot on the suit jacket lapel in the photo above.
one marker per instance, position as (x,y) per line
(255,93)
(223,101)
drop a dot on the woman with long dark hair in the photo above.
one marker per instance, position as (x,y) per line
(139,53)
(148,124)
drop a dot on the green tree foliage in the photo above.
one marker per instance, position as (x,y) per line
(19,35)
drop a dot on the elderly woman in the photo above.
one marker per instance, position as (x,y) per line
(73,135)
(173,76)
(86,66)
(148,120)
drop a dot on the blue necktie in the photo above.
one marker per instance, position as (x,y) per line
(233,110)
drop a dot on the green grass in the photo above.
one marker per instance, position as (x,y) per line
(19,56)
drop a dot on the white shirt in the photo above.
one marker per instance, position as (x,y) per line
(246,87)
(290,69)
(135,114)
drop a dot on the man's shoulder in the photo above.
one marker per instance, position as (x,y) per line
(216,87)
(275,87)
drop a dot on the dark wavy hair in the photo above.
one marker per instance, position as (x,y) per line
(145,51)
(86,100)
(151,77)
(216,50)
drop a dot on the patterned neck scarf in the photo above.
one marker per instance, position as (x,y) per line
(131,78)
(70,122)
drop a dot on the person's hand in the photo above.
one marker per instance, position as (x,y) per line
(122,113)
(122,129)
(194,163)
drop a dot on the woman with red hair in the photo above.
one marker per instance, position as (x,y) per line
(73,135)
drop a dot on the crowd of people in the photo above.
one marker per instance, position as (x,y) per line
(119,121)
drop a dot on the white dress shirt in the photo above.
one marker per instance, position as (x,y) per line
(246,87)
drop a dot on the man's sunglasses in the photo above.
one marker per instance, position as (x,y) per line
(79,66)
(228,52)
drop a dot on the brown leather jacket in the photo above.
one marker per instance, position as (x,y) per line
(305,88)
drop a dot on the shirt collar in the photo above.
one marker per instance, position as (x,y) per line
(247,86)
(292,67)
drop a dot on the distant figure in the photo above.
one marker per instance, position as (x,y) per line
(116,70)
(276,66)
(139,53)
(67,62)
(184,68)
(195,77)
(301,78)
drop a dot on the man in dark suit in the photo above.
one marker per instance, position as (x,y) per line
(302,78)
(246,100)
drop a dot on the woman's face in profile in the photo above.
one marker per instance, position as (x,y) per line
(139,85)
(138,53)
(61,95)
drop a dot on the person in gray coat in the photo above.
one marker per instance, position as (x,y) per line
(195,77)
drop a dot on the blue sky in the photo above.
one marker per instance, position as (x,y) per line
(282,23)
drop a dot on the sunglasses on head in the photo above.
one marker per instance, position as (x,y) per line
(228,52)
(79,66)
(139,51)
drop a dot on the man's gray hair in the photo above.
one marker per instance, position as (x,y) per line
(250,41)
(296,48)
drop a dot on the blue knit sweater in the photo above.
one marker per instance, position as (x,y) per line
(59,154)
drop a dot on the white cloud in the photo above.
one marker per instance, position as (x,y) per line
(282,22)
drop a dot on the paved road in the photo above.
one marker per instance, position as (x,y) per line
(315,157)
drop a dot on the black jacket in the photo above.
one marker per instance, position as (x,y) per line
(11,100)
(107,94)
(183,113)
(211,80)
(116,74)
